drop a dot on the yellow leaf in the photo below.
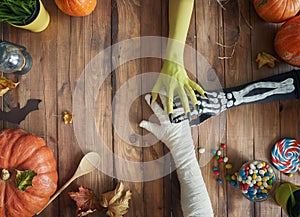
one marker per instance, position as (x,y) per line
(67,117)
(116,201)
(264,58)
(6,85)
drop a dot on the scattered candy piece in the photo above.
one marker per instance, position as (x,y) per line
(219,181)
(223,145)
(225,159)
(201,150)
(214,151)
(217,157)
(215,168)
(227,177)
(216,172)
(290,175)
(219,152)
(220,160)
(228,166)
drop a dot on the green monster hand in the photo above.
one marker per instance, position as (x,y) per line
(175,79)
(173,75)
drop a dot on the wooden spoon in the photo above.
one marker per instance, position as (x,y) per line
(87,164)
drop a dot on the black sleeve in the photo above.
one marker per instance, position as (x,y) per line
(294,74)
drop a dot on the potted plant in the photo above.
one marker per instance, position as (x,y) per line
(25,14)
(288,197)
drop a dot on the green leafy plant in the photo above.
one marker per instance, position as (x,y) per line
(16,11)
(293,205)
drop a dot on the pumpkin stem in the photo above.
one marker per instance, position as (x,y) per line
(5,175)
(24,179)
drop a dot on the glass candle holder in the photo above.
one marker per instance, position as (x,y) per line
(14,58)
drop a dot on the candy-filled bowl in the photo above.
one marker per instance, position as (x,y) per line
(256,180)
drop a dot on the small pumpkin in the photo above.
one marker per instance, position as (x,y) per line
(28,175)
(276,11)
(76,7)
(287,41)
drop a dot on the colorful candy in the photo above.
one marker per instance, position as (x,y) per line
(223,145)
(201,150)
(225,159)
(285,155)
(216,172)
(228,166)
(255,185)
(220,158)
(219,181)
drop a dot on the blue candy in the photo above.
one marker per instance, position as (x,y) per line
(232,182)
(243,173)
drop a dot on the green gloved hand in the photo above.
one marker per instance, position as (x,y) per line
(175,79)
(173,75)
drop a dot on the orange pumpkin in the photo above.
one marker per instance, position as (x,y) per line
(276,11)
(28,173)
(76,7)
(287,41)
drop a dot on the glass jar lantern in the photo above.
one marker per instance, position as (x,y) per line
(14,58)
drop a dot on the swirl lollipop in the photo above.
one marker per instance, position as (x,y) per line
(285,155)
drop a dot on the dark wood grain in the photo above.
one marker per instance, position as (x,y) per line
(60,55)
(240,119)
(128,26)
(209,29)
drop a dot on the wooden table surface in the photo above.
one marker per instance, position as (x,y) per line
(60,54)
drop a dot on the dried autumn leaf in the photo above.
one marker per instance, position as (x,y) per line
(117,201)
(6,85)
(264,58)
(67,117)
(86,201)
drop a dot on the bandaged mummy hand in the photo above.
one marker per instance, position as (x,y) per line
(278,87)
(195,201)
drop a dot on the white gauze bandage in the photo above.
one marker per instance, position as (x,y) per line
(195,201)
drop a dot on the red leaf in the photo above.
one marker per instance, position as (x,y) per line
(86,201)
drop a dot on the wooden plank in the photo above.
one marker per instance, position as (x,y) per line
(191,69)
(240,119)
(289,128)
(126,25)
(151,25)
(211,133)
(167,180)
(266,117)
(70,63)
(59,60)
(97,37)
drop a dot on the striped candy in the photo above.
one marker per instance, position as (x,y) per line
(285,155)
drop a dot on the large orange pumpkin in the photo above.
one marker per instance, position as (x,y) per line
(28,173)
(76,7)
(276,11)
(287,41)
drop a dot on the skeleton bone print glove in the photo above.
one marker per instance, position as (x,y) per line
(278,87)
